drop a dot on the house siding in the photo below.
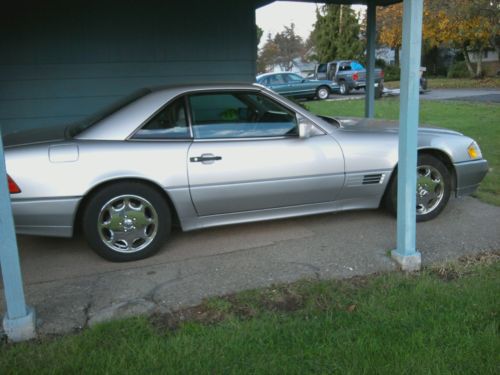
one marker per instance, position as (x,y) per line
(63,60)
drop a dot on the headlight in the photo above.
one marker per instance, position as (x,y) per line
(474,151)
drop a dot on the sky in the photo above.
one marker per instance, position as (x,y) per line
(273,17)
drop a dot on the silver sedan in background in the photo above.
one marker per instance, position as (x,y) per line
(210,155)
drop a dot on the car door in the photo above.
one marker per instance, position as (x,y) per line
(246,155)
(277,83)
(321,71)
(298,86)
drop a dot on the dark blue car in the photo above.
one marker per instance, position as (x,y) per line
(293,85)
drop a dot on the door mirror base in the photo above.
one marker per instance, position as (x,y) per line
(307,128)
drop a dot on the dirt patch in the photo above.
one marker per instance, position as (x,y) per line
(284,299)
(464,265)
(171,321)
(213,311)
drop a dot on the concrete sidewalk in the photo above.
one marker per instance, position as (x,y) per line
(72,288)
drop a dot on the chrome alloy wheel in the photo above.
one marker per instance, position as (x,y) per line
(430,189)
(127,223)
(323,93)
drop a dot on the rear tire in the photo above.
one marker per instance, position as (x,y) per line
(379,90)
(433,188)
(344,88)
(322,93)
(126,221)
(423,84)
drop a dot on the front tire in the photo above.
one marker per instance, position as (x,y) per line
(433,188)
(126,221)
(322,93)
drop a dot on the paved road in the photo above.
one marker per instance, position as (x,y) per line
(71,287)
(474,95)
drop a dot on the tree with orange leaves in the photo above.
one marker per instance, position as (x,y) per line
(389,24)
(468,25)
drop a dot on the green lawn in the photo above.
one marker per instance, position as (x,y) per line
(456,83)
(443,321)
(477,120)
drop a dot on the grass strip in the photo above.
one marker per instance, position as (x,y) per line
(444,320)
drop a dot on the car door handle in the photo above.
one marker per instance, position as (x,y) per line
(205,159)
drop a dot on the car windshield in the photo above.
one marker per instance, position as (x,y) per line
(77,128)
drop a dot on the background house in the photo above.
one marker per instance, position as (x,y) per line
(490,61)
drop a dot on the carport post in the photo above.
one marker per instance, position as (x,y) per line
(370,54)
(19,320)
(406,254)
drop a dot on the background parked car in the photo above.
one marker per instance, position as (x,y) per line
(349,75)
(293,85)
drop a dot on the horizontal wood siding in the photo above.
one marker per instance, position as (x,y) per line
(63,60)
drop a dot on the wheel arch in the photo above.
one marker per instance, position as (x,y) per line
(77,220)
(438,154)
(445,159)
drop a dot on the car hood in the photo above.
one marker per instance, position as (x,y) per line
(33,136)
(364,125)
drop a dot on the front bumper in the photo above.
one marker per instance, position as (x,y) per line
(469,176)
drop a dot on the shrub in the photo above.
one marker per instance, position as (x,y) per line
(380,63)
(458,70)
(391,73)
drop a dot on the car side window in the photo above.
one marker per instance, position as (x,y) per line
(293,78)
(240,115)
(170,123)
(322,68)
(276,79)
(264,81)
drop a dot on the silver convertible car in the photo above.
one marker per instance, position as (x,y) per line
(207,155)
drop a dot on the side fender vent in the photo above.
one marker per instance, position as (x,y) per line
(370,179)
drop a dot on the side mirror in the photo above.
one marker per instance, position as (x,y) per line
(305,127)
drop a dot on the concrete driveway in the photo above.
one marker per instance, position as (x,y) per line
(71,288)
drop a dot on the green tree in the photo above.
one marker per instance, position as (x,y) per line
(336,33)
(268,55)
(260,32)
(280,50)
(290,46)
